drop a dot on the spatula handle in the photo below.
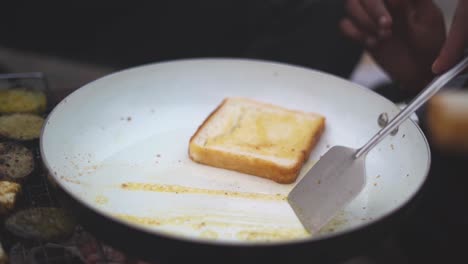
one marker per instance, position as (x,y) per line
(414,105)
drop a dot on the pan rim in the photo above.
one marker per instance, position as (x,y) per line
(250,244)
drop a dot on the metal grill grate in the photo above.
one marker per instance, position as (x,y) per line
(37,191)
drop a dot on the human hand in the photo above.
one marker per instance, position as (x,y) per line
(457,40)
(403,36)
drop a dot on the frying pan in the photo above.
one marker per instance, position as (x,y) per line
(119,147)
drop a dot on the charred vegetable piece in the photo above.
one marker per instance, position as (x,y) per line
(16,254)
(52,253)
(41,223)
(21,126)
(16,161)
(9,192)
(20,100)
(3,255)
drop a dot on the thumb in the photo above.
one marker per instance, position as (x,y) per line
(457,40)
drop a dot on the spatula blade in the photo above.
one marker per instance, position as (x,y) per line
(335,180)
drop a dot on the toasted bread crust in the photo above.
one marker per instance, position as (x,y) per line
(243,164)
(314,139)
(251,165)
(207,119)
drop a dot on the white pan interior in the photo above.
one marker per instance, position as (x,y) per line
(120,146)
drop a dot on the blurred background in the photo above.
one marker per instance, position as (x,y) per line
(75,42)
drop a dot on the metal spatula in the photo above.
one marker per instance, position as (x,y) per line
(340,175)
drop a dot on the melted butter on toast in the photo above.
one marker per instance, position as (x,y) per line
(281,134)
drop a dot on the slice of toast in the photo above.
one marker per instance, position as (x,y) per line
(257,138)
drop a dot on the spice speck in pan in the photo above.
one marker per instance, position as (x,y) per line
(100,199)
(337,223)
(209,234)
(271,234)
(70,180)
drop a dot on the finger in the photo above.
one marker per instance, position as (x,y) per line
(360,17)
(379,13)
(457,41)
(399,5)
(355,33)
(400,10)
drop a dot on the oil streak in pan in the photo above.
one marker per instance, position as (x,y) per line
(178,189)
(196,222)
(244,231)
